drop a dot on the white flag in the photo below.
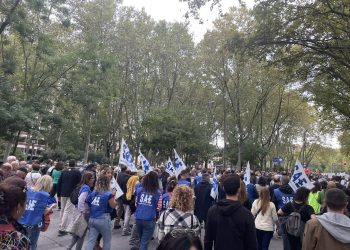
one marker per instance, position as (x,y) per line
(214,190)
(299,178)
(125,157)
(145,163)
(246,178)
(169,168)
(179,164)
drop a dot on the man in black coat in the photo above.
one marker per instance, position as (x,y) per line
(67,182)
(203,199)
(230,225)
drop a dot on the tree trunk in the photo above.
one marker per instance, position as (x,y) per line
(87,142)
(7,150)
(16,143)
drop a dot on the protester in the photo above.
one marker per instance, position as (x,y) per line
(299,205)
(101,203)
(164,177)
(129,198)
(252,193)
(229,223)
(313,196)
(181,241)
(332,229)
(33,176)
(148,196)
(122,180)
(67,181)
(166,197)
(276,184)
(203,198)
(183,178)
(56,173)
(283,194)
(322,193)
(12,206)
(179,215)
(262,183)
(242,196)
(21,172)
(37,207)
(11,158)
(265,215)
(79,224)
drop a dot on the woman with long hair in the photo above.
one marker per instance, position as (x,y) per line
(55,174)
(147,197)
(78,227)
(265,215)
(12,206)
(167,195)
(182,241)
(37,202)
(243,197)
(101,203)
(179,215)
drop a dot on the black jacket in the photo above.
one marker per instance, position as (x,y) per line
(122,180)
(68,180)
(230,226)
(203,199)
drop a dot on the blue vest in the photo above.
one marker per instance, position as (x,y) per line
(183,182)
(146,205)
(197,179)
(282,198)
(36,204)
(84,188)
(165,201)
(98,203)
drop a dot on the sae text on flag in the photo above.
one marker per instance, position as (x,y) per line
(125,157)
(179,164)
(145,163)
(214,189)
(169,168)
(246,177)
(299,178)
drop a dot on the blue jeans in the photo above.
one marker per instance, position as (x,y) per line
(264,238)
(145,229)
(33,235)
(100,225)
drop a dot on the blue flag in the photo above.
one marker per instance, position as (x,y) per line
(125,157)
(145,163)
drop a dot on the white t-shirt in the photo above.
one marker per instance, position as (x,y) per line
(31,179)
(264,222)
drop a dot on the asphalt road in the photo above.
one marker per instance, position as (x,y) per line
(49,240)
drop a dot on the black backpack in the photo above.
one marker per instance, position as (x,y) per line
(74,196)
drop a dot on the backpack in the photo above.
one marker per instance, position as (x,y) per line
(293,224)
(74,196)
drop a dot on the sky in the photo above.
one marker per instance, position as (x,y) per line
(174,10)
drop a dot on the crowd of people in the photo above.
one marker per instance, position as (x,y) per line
(179,212)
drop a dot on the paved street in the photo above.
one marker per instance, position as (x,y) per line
(50,241)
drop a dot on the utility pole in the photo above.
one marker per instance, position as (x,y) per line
(224,153)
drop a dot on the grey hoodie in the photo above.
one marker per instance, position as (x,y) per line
(337,225)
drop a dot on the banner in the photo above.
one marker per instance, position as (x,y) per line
(179,164)
(169,168)
(299,178)
(145,163)
(214,190)
(125,157)
(246,178)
